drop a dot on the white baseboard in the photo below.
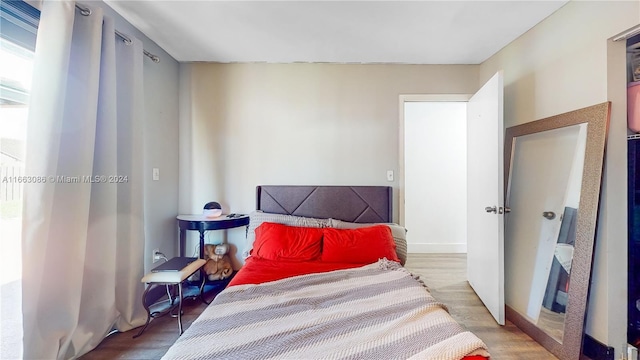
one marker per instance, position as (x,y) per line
(432,248)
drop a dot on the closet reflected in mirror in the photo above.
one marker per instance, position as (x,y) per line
(553,173)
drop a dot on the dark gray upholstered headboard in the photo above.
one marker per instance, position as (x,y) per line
(360,204)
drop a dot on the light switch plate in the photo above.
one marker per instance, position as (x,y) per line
(389,175)
(156,174)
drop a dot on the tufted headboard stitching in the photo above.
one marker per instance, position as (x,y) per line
(360,204)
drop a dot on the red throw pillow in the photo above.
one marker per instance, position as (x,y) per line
(282,242)
(363,245)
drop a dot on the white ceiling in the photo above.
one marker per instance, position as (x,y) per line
(408,32)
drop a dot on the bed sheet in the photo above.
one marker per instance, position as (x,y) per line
(378,310)
(258,270)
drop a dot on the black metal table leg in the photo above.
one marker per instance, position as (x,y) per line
(146,307)
(180,308)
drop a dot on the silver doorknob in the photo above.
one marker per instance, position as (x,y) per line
(549,215)
(490,209)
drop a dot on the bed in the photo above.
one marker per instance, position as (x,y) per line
(324,278)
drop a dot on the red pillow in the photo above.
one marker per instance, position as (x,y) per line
(282,242)
(363,245)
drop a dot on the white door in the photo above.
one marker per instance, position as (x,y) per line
(485,195)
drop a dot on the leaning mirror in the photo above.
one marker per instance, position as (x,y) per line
(553,170)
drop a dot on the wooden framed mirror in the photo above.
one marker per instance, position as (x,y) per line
(553,171)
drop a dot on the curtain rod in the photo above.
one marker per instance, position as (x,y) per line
(85,11)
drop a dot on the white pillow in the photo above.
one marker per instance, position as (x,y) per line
(256,218)
(398,232)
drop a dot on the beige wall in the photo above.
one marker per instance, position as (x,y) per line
(566,63)
(323,124)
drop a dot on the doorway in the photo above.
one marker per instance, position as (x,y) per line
(484,189)
(433,176)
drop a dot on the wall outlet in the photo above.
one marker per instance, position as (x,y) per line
(155,255)
(156,174)
(389,175)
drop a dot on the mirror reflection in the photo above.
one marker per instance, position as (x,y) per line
(543,194)
(553,176)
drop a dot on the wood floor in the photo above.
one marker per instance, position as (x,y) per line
(444,274)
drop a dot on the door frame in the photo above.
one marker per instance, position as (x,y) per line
(415,98)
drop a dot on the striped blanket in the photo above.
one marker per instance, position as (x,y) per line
(378,311)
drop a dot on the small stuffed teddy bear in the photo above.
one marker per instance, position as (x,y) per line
(218,265)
